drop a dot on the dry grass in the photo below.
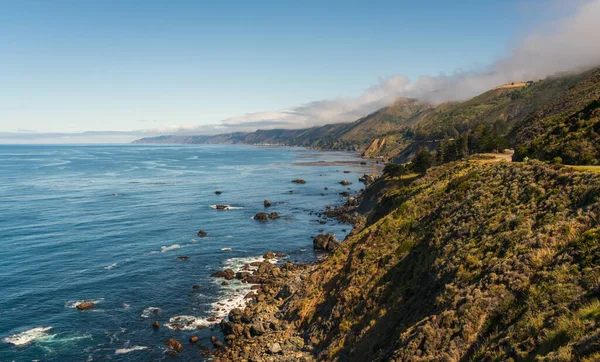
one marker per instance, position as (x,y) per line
(512,85)
(585,168)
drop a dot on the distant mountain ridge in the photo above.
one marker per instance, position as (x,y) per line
(509,116)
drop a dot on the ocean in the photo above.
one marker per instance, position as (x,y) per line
(108,224)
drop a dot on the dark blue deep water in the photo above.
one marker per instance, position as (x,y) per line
(107,224)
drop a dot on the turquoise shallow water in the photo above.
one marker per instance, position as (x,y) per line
(107,223)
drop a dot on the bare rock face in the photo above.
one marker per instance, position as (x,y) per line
(85,305)
(299,181)
(368,179)
(261,216)
(326,242)
(174,345)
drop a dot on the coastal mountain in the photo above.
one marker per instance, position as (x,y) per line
(509,116)
(480,258)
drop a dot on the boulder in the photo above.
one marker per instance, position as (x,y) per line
(326,188)
(218,192)
(85,305)
(267,203)
(155,324)
(273,216)
(222,207)
(346,171)
(280,255)
(224,284)
(345,183)
(202,233)
(174,345)
(299,181)
(326,242)
(275,348)
(235,315)
(242,275)
(261,216)
(227,274)
(250,295)
(269,255)
(363,163)
(194,339)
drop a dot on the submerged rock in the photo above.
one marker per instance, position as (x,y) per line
(183,257)
(299,181)
(85,305)
(326,242)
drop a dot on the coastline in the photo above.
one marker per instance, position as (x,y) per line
(260,328)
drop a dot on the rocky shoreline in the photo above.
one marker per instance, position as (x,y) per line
(262,331)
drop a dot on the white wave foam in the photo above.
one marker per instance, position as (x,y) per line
(74,303)
(164,249)
(26,337)
(188,322)
(228,207)
(225,249)
(130,349)
(146,313)
(110,266)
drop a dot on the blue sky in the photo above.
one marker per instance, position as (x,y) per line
(74,66)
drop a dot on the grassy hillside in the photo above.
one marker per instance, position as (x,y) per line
(472,262)
(567,127)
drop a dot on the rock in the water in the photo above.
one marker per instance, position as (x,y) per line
(273,216)
(345,194)
(266,203)
(218,344)
(183,257)
(326,242)
(227,274)
(218,192)
(174,345)
(363,163)
(368,179)
(202,233)
(194,339)
(261,216)
(346,171)
(196,287)
(85,305)
(345,183)
(155,324)
(299,181)
(269,255)
(235,315)
(222,207)
(275,348)
(280,255)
